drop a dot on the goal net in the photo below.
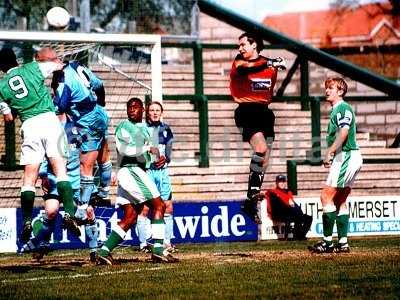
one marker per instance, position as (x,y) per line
(128,64)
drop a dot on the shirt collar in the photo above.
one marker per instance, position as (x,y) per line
(337,104)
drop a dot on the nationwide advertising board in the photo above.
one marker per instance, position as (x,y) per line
(194,222)
(214,222)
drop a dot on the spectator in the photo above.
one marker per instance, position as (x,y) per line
(281,207)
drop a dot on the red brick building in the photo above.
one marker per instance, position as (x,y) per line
(368,35)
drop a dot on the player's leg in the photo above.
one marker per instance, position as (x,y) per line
(92,232)
(44,225)
(57,152)
(157,227)
(105,170)
(52,205)
(88,160)
(169,226)
(117,234)
(27,199)
(159,254)
(43,228)
(93,130)
(133,190)
(84,214)
(143,229)
(256,175)
(65,192)
(328,221)
(352,162)
(260,129)
(32,154)
(342,220)
(163,182)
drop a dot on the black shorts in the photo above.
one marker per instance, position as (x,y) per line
(255,117)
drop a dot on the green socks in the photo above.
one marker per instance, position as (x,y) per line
(342,224)
(158,233)
(113,240)
(27,200)
(328,221)
(65,191)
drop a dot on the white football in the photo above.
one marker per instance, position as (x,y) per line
(58,17)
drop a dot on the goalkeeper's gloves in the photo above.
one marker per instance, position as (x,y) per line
(278,63)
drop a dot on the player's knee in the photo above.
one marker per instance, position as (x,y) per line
(90,213)
(52,206)
(158,208)
(129,217)
(261,147)
(169,208)
(343,209)
(327,196)
(144,211)
(257,161)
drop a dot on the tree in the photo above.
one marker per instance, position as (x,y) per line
(33,11)
(171,15)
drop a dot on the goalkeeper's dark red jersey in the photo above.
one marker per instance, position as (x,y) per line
(252,81)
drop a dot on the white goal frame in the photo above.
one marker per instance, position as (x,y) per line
(151,40)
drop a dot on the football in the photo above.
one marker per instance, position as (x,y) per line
(58,17)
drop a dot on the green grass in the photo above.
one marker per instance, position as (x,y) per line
(271,269)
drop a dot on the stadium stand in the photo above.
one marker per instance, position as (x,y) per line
(226,178)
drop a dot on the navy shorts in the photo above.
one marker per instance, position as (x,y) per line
(255,117)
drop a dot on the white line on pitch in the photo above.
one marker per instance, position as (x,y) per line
(79,275)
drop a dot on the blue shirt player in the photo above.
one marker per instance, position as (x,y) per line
(80,95)
(162,138)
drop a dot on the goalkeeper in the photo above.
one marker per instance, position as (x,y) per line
(252,81)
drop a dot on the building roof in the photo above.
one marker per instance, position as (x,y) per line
(365,24)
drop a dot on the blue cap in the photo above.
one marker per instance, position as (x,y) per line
(280,178)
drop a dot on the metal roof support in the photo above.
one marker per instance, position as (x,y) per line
(324,59)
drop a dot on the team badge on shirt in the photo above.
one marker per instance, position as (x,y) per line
(260,84)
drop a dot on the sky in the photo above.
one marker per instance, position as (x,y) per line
(259,9)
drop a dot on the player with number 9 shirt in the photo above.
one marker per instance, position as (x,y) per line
(24,90)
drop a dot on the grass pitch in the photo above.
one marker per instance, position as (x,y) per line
(269,269)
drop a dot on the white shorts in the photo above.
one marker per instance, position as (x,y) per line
(344,169)
(134,186)
(42,135)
